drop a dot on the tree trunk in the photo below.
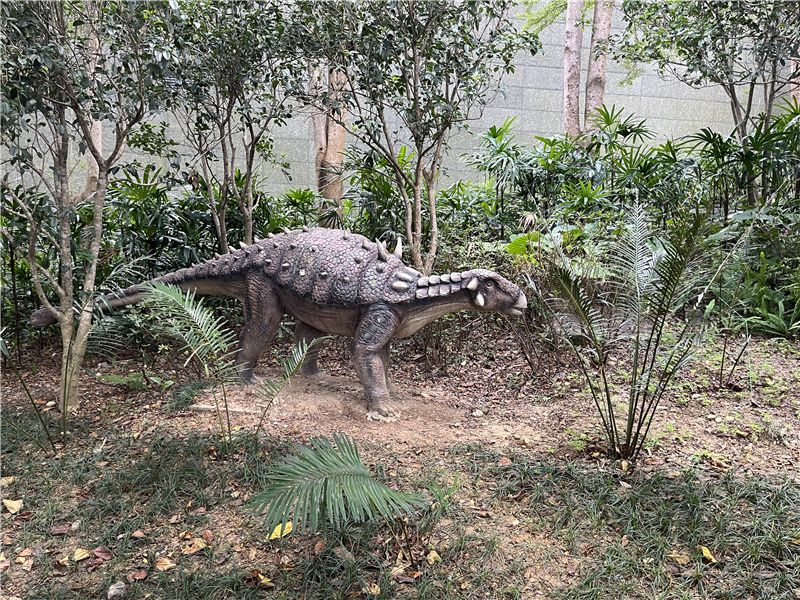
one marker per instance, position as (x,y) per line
(596,77)
(330,137)
(572,68)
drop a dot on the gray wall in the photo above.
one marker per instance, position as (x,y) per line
(533,94)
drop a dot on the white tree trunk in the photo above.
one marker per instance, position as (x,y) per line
(330,173)
(596,77)
(572,68)
(795,67)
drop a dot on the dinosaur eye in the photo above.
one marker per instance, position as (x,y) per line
(490,284)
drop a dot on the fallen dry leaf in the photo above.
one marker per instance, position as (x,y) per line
(12,506)
(257,579)
(4,481)
(207,535)
(80,554)
(194,546)
(281,531)
(707,554)
(679,557)
(319,547)
(138,534)
(397,571)
(136,575)
(433,557)
(372,589)
(103,553)
(164,564)
(61,529)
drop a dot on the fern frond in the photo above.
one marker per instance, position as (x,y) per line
(327,485)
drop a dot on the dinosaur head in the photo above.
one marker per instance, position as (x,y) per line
(494,293)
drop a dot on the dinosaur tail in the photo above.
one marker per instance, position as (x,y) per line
(205,279)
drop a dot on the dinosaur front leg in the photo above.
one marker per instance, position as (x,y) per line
(373,334)
(307,334)
(262,317)
(386,360)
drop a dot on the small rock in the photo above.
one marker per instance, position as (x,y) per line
(51,404)
(477,412)
(117,590)
(718,420)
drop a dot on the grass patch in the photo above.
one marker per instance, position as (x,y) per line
(643,536)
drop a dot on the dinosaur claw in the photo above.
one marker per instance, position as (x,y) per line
(375,415)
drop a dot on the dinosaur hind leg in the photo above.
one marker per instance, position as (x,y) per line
(262,317)
(306,333)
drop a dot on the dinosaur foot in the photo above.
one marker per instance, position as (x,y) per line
(385,413)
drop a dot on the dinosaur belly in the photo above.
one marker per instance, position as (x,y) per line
(334,320)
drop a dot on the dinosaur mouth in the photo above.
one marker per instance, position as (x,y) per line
(521,303)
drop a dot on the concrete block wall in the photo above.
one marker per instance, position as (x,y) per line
(533,94)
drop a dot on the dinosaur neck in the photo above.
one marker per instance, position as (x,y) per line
(422,312)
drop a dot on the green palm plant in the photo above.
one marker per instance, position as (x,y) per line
(326,485)
(633,311)
(211,346)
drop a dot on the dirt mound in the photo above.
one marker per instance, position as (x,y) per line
(325,404)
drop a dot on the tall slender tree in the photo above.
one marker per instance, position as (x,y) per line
(71,69)
(596,76)
(573,45)
(237,75)
(330,133)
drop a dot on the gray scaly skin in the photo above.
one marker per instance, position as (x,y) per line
(333,282)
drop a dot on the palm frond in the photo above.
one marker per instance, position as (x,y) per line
(205,336)
(327,485)
(125,273)
(268,389)
(108,336)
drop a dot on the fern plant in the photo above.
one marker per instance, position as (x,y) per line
(327,485)
(633,310)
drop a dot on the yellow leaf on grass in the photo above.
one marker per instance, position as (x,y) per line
(194,546)
(433,557)
(12,506)
(80,554)
(707,554)
(679,557)
(164,564)
(281,531)
(372,589)
(4,481)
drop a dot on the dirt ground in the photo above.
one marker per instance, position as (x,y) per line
(749,425)
(490,400)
